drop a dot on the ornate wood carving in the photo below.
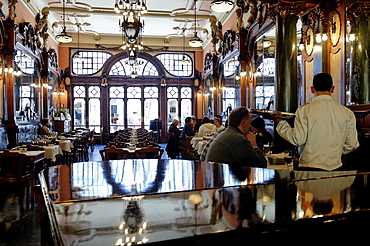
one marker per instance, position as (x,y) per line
(11,7)
(28,36)
(216,34)
(41,30)
(287,8)
(227,42)
(208,62)
(53,58)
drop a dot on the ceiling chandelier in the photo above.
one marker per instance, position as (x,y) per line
(131,25)
(222,5)
(63,37)
(195,41)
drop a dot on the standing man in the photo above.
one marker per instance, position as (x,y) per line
(236,145)
(323,128)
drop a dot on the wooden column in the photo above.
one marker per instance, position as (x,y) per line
(9,111)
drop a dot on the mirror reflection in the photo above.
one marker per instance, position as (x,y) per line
(25,88)
(265,70)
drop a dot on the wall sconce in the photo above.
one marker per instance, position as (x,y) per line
(243,73)
(104,79)
(163,81)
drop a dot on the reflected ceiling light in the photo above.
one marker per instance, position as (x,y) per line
(195,41)
(63,37)
(222,5)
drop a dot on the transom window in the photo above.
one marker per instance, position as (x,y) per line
(122,68)
(88,62)
(173,63)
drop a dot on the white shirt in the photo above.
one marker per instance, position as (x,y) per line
(325,130)
(209,127)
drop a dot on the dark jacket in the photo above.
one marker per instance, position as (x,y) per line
(232,146)
(174,129)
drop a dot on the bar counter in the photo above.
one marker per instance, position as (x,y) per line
(163,202)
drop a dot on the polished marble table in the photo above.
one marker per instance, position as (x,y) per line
(163,202)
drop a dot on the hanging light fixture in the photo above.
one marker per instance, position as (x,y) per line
(222,5)
(184,60)
(195,41)
(132,25)
(63,37)
(77,57)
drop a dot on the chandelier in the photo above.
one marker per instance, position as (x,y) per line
(195,41)
(131,25)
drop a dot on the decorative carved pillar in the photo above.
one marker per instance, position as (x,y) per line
(44,80)
(9,52)
(244,57)
(286,64)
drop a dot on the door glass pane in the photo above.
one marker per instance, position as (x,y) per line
(185,109)
(172,110)
(229,98)
(150,111)
(134,113)
(117,120)
(94,114)
(79,112)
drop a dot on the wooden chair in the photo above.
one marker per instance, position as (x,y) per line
(191,153)
(149,152)
(113,153)
(82,148)
(13,171)
(91,140)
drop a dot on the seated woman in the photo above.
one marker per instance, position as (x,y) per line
(207,126)
(218,124)
(263,136)
(44,130)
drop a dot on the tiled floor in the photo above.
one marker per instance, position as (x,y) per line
(25,230)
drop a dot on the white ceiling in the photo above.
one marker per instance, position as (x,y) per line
(164,21)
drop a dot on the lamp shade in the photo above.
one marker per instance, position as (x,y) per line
(63,37)
(195,42)
(222,5)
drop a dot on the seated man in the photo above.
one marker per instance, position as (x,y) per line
(236,145)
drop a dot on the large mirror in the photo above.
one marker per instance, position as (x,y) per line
(26,88)
(357,55)
(230,83)
(264,70)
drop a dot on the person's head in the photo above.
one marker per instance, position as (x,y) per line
(322,82)
(45,122)
(206,120)
(217,116)
(240,118)
(175,122)
(258,124)
(190,120)
(217,122)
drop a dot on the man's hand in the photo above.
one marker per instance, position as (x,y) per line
(252,138)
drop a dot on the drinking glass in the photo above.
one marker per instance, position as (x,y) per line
(288,157)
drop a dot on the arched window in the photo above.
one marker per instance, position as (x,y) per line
(122,68)
(177,64)
(88,62)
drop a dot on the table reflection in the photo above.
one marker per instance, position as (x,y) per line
(156,201)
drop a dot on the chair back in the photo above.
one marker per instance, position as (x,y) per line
(113,153)
(149,152)
(12,165)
